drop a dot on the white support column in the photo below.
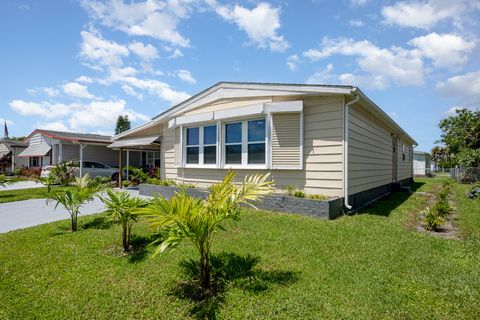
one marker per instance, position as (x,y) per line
(128,164)
(60,152)
(82,146)
(13,158)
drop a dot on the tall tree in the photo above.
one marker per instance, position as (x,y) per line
(123,124)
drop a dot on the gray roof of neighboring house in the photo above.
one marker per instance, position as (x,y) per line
(73,136)
(14,143)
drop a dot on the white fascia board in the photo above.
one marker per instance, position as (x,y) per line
(194,118)
(239,112)
(284,106)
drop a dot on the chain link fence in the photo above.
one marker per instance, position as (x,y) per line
(465,175)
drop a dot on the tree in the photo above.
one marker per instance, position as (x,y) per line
(123,124)
(442,156)
(187,217)
(120,208)
(47,181)
(72,199)
(461,130)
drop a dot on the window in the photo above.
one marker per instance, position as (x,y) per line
(256,141)
(233,143)
(405,152)
(150,159)
(201,145)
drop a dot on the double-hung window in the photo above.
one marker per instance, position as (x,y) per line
(201,145)
(245,143)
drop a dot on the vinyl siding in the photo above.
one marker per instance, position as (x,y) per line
(286,140)
(405,168)
(322,172)
(229,104)
(4,149)
(370,152)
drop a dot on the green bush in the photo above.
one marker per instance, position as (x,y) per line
(442,208)
(159,182)
(64,173)
(137,175)
(432,219)
(318,196)
(299,194)
(293,191)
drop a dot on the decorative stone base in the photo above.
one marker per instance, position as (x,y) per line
(326,209)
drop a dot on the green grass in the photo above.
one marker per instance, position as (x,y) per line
(26,194)
(273,266)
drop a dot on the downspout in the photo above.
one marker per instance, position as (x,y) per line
(345,150)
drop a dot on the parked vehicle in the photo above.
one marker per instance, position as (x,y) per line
(93,168)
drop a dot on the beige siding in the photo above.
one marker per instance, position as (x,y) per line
(370,152)
(322,172)
(286,140)
(229,104)
(405,167)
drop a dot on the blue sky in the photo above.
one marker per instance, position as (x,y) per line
(76,65)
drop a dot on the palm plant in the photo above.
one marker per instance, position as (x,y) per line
(48,181)
(186,217)
(72,199)
(64,172)
(120,207)
(4,181)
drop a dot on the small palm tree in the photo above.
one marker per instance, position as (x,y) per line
(120,207)
(72,199)
(47,181)
(4,181)
(186,217)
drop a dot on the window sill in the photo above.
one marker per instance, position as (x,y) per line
(226,167)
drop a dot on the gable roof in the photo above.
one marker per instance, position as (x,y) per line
(14,143)
(230,90)
(72,136)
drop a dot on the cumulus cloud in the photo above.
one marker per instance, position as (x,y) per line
(356,23)
(55,125)
(382,66)
(321,77)
(84,79)
(131,92)
(185,76)
(43,109)
(144,52)
(151,18)
(426,14)
(359,2)
(77,90)
(99,52)
(465,87)
(293,61)
(445,50)
(48,91)
(261,24)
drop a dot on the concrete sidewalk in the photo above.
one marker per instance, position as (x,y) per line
(29,213)
(22,185)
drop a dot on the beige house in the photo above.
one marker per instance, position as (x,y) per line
(9,151)
(329,140)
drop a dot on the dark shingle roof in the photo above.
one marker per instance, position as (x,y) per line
(14,143)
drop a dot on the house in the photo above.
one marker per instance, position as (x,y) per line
(329,140)
(47,147)
(421,164)
(9,150)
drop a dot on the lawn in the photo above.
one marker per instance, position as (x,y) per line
(25,194)
(272,266)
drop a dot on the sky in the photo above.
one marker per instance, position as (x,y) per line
(76,65)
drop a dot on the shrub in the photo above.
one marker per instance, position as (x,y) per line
(48,181)
(64,172)
(299,194)
(189,185)
(126,183)
(432,219)
(4,181)
(165,183)
(318,196)
(154,172)
(136,175)
(100,181)
(293,191)
(442,208)
(30,172)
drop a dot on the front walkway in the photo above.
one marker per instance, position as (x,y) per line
(29,213)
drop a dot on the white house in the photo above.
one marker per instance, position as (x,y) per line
(421,163)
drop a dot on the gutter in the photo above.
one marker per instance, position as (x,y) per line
(345,149)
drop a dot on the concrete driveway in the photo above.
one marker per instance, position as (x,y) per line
(29,213)
(22,185)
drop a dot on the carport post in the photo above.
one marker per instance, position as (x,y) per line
(128,164)
(81,159)
(120,168)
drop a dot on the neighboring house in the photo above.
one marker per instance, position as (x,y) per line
(421,163)
(330,140)
(9,151)
(46,147)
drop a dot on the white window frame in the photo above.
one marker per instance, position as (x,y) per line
(203,145)
(200,146)
(147,163)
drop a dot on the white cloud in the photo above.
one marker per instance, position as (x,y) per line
(157,88)
(144,52)
(77,90)
(43,109)
(445,50)
(359,2)
(186,76)
(426,14)
(466,87)
(152,18)
(356,23)
(56,125)
(382,66)
(321,77)
(99,52)
(176,54)
(260,23)
(9,122)
(293,61)
(84,79)
(131,92)
(102,114)
(48,91)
